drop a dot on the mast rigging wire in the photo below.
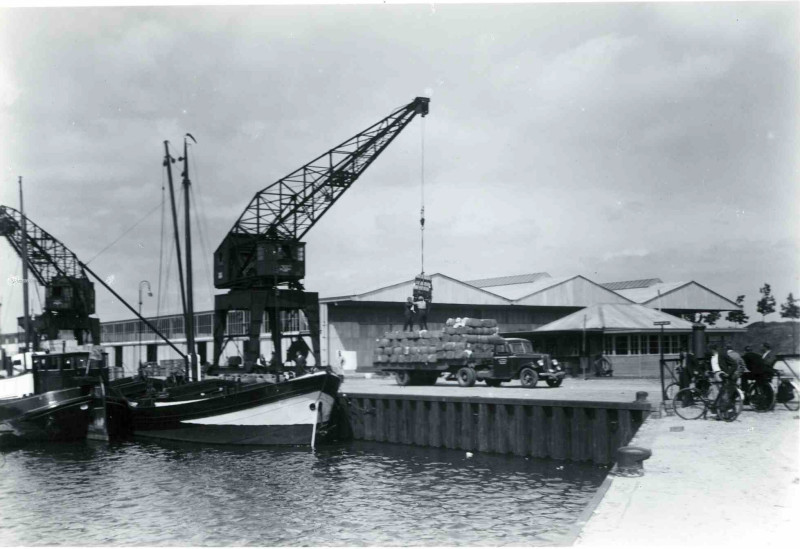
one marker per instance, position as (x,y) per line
(161,246)
(124,233)
(201,220)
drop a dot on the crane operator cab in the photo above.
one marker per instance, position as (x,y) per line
(257,259)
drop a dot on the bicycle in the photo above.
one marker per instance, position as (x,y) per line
(702,384)
(761,395)
(786,392)
(723,398)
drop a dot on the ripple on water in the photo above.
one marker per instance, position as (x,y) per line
(144,493)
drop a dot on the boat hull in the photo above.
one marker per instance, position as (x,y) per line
(54,415)
(286,413)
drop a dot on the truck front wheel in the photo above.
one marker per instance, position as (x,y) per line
(466,377)
(528,377)
(403,378)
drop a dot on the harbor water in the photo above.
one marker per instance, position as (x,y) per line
(356,494)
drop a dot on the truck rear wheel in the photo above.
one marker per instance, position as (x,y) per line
(466,376)
(528,377)
(403,378)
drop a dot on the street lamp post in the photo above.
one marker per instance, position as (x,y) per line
(662,323)
(149,294)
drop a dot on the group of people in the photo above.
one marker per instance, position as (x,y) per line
(416,311)
(747,368)
(297,353)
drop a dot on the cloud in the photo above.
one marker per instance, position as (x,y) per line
(9,90)
(562,138)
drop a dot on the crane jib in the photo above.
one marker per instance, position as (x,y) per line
(265,242)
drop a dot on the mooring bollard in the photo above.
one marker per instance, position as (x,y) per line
(629,461)
(641,396)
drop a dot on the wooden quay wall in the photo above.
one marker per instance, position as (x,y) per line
(557,429)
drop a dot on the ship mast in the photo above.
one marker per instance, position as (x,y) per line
(26,319)
(189,288)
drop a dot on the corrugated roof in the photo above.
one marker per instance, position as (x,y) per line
(643,295)
(631,284)
(446,290)
(612,317)
(520,290)
(507,280)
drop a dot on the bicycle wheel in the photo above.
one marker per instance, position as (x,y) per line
(730,409)
(689,404)
(762,397)
(672,390)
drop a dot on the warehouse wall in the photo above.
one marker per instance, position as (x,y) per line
(354,326)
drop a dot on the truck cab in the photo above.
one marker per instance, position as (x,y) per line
(516,359)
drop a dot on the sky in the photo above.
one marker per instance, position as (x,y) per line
(615,141)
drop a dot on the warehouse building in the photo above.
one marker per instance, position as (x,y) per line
(530,306)
(569,317)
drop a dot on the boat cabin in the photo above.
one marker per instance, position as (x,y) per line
(53,371)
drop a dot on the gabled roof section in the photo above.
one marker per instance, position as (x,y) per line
(688,296)
(507,280)
(617,317)
(574,291)
(631,284)
(445,290)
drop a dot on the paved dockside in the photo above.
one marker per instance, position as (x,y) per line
(574,389)
(707,483)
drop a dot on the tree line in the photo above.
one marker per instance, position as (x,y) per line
(765,306)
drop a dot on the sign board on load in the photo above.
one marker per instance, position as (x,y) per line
(423,287)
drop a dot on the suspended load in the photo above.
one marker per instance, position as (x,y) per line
(423,287)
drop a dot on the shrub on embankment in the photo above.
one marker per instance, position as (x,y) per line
(784,337)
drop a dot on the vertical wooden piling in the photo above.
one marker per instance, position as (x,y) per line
(577,431)
(435,423)
(579,443)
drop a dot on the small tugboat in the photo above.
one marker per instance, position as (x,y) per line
(60,403)
(48,395)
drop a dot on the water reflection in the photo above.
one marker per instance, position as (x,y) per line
(149,493)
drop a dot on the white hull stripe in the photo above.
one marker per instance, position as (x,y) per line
(289,411)
(177,402)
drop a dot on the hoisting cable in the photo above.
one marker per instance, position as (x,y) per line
(422,200)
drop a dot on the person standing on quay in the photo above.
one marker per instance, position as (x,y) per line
(409,311)
(422,313)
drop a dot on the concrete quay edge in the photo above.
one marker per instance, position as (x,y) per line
(708,483)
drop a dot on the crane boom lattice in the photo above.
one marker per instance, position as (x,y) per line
(70,297)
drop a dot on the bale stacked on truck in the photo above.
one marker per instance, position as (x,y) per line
(461,339)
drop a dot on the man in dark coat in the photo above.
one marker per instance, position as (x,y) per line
(768,356)
(756,370)
(410,312)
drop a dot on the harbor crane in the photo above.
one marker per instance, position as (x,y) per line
(69,294)
(261,261)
